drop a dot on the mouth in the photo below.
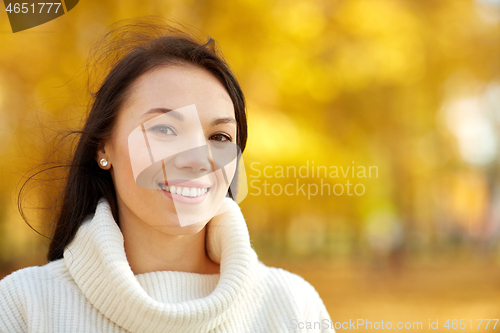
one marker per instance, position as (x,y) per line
(184,191)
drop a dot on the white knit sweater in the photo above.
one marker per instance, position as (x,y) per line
(93,289)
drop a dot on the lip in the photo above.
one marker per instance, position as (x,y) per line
(182,199)
(187,183)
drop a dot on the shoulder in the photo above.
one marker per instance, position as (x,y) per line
(35,280)
(28,288)
(53,272)
(291,286)
(280,278)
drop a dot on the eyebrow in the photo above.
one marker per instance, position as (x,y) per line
(180,117)
(170,112)
(227,120)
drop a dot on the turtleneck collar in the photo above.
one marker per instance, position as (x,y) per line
(97,262)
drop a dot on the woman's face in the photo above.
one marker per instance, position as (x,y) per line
(165,164)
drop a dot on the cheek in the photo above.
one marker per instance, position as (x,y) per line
(230,169)
(136,153)
(123,169)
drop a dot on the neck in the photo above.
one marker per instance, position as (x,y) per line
(150,250)
(98,264)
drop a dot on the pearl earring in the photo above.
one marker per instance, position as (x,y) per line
(103,162)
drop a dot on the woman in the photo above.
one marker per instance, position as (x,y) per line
(146,239)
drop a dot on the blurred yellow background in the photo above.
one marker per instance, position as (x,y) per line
(409,90)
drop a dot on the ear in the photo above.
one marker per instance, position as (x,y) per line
(102,158)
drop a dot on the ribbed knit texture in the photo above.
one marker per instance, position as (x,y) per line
(93,289)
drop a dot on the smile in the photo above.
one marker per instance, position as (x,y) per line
(189,192)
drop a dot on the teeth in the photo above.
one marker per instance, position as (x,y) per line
(189,192)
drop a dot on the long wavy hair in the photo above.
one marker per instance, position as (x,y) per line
(128,50)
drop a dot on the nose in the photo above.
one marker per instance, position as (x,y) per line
(195,160)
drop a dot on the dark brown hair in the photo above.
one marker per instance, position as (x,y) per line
(127,51)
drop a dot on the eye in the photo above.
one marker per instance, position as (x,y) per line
(162,130)
(221,137)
